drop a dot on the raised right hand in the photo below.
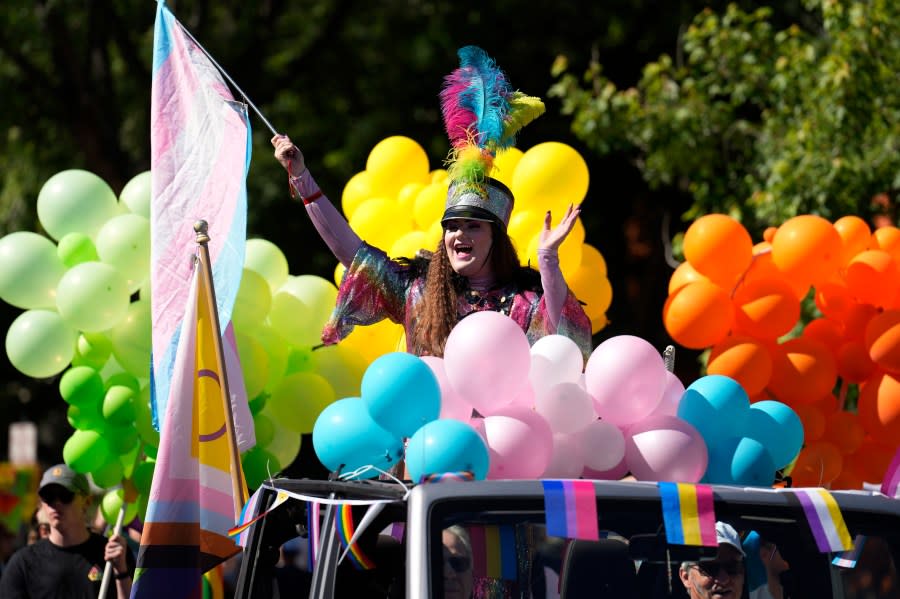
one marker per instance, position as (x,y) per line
(289,155)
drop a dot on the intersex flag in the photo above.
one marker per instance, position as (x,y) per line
(192,501)
(200,154)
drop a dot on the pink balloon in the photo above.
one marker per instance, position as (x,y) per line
(603,444)
(452,405)
(567,460)
(520,446)
(487,359)
(665,448)
(555,359)
(614,473)
(626,377)
(671,396)
(566,407)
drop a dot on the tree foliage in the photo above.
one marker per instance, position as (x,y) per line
(758,121)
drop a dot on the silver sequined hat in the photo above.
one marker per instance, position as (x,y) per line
(491,201)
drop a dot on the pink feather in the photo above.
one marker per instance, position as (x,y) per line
(458,121)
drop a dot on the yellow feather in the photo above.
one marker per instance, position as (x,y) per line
(522,110)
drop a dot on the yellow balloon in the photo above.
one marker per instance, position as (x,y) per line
(505,165)
(593,259)
(357,190)
(375,340)
(569,251)
(550,176)
(523,226)
(435,235)
(339,274)
(394,162)
(254,298)
(342,366)
(408,245)
(378,223)
(591,288)
(429,206)
(406,197)
(438,175)
(598,324)
(254,363)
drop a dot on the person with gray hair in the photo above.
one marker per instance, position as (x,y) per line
(722,577)
(458,577)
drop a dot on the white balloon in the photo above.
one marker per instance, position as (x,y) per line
(603,444)
(567,408)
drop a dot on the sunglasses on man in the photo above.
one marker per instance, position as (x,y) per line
(53,494)
(458,564)
(712,569)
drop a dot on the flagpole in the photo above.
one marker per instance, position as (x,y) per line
(228,77)
(239,493)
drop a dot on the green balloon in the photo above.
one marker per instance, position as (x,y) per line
(277,349)
(264,429)
(75,248)
(86,417)
(108,475)
(265,258)
(151,450)
(300,359)
(258,403)
(29,270)
(301,307)
(124,243)
(75,201)
(86,451)
(254,363)
(40,344)
(143,476)
(112,503)
(92,349)
(258,464)
(80,385)
(131,339)
(125,379)
(136,194)
(285,445)
(121,439)
(342,367)
(118,406)
(298,400)
(251,306)
(92,297)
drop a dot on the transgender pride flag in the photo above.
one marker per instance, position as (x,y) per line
(200,154)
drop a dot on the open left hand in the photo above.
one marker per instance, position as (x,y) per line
(551,239)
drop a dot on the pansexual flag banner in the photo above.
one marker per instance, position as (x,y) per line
(688,514)
(570,507)
(824,518)
(494,551)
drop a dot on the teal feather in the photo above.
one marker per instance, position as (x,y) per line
(486,94)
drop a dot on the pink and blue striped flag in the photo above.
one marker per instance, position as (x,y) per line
(688,514)
(570,507)
(200,154)
(192,502)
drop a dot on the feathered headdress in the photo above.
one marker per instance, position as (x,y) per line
(482,115)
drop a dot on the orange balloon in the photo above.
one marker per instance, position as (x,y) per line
(856,319)
(872,276)
(698,315)
(766,308)
(855,236)
(872,459)
(813,421)
(879,407)
(853,362)
(769,233)
(887,239)
(763,267)
(819,463)
(808,248)
(684,274)
(803,371)
(824,330)
(833,299)
(828,405)
(844,430)
(882,340)
(718,247)
(849,478)
(745,360)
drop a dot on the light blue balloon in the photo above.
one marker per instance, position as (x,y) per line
(401,393)
(778,428)
(446,446)
(740,461)
(716,406)
(345,438)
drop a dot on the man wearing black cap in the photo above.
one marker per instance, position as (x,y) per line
(68,563)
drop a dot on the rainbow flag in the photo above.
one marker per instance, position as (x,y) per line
(494,551)
(214,584)
(824,518)
(199,156)
(688,514)
(345,529)
(191,504)
(247,519)
(570,507)
(891,481)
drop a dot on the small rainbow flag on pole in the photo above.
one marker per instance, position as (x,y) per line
(346,527)
(688,514)
(571,509)
(825,519)
(891,481)
(494,551)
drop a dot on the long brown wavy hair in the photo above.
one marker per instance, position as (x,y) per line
(437,313)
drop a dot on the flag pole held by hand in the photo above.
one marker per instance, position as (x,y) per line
(129,496)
